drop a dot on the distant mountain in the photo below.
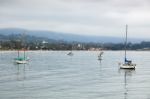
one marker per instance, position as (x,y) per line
(66,37)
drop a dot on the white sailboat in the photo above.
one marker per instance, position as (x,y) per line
(127,63)
(21,60)
(100,55)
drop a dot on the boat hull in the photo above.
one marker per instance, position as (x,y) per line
(127,66)
(21,62)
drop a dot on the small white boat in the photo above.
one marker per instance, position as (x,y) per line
(70,54)
(127,63)
(100,56)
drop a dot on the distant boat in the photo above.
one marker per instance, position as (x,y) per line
(21,60)
(100,55)
(70,53)
(127,63)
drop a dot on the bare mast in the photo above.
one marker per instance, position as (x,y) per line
(126,42)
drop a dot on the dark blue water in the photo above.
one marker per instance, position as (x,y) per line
(55,75)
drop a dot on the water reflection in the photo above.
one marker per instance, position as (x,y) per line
(127,77)
(21,71)
(81,78)
(100,62)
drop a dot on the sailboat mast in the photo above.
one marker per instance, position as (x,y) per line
(24,53)
(126,41)
(18,53)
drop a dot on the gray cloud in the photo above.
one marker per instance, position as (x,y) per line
(89,17)
(8,2)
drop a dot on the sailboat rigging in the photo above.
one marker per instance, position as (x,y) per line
(20,59)
(127,63)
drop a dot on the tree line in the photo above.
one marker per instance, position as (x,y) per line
(20,41)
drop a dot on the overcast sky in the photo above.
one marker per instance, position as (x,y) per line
(86,17)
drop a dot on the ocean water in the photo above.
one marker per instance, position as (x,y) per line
(55,75)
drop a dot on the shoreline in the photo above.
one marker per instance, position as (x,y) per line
(75,50)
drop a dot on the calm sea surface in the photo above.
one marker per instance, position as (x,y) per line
(54,75)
